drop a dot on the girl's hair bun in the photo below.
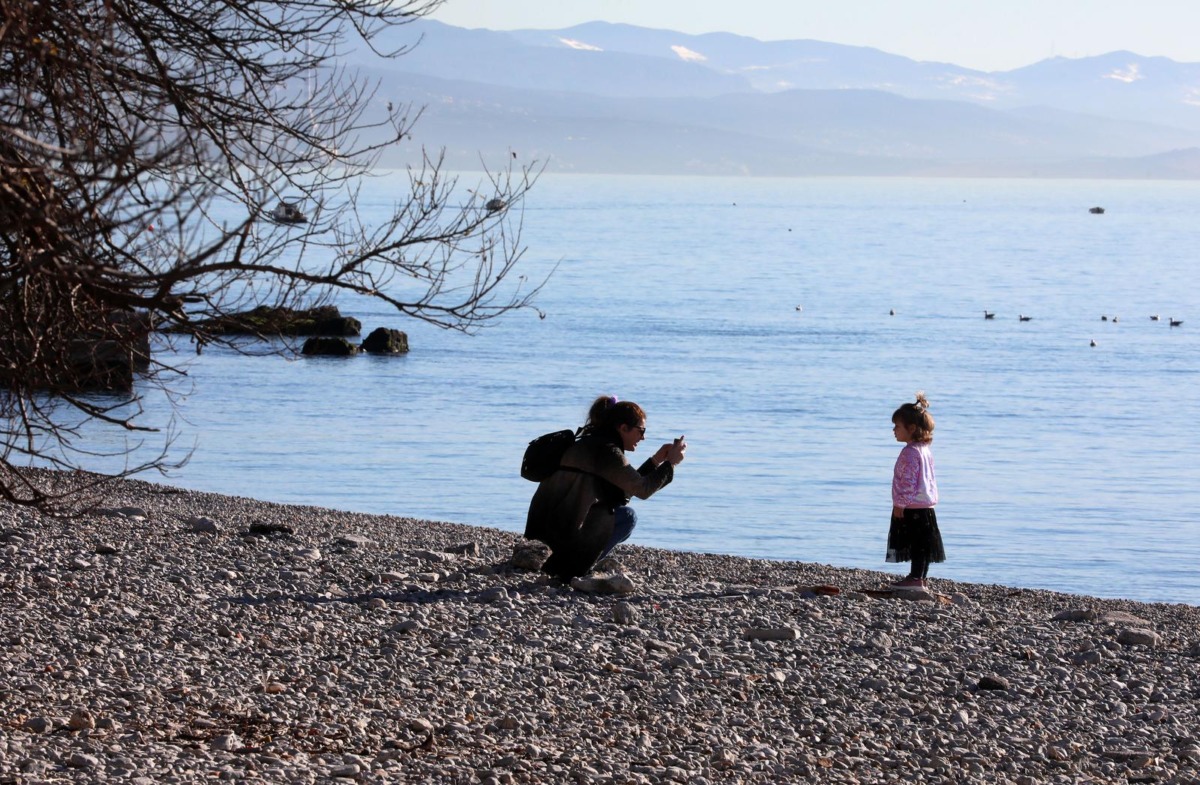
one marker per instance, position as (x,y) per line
(917,416)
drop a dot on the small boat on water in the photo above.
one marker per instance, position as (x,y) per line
(288,213)
(1096,210)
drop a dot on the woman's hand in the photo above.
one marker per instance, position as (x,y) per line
(676,450)
(671,451)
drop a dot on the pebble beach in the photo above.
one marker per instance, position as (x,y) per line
(173,636)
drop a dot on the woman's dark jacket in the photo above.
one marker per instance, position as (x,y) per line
(572,510)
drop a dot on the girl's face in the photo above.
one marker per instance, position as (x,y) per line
(903,433)
(631,435)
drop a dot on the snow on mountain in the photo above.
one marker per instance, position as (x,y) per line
(609,97)
(687,54)
(1128,75)
(573,44)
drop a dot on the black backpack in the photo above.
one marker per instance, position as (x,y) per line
(544,454)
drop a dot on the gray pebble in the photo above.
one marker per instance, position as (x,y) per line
(993,682)
(79,760)
(227,742)
(624,613)
(771,634)
(38,725)
(202,525)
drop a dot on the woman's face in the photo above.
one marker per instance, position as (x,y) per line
(631,435)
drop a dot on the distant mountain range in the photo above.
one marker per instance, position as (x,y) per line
(614,98)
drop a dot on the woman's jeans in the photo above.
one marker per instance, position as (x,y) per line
(624,519)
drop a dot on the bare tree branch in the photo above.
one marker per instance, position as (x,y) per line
(142,144)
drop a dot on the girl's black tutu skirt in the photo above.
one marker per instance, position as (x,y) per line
(915,534)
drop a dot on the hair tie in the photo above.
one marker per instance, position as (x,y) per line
(613,400)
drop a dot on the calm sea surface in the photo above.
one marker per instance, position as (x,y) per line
(1061,465)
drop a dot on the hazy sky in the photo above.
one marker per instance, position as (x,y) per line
(990,35)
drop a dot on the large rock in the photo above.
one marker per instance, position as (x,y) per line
(98,365)
(267,320)
(329,347)
(134,328)
(386,341)
(103,355)
(1138,637)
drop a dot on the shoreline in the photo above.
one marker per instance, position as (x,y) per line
(885,571)
(156,642)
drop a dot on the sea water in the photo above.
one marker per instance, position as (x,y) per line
(777,323)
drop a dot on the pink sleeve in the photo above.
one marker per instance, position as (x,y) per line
(906,478)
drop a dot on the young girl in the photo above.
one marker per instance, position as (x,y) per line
(914,534)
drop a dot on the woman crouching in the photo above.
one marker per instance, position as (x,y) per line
(582,510)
